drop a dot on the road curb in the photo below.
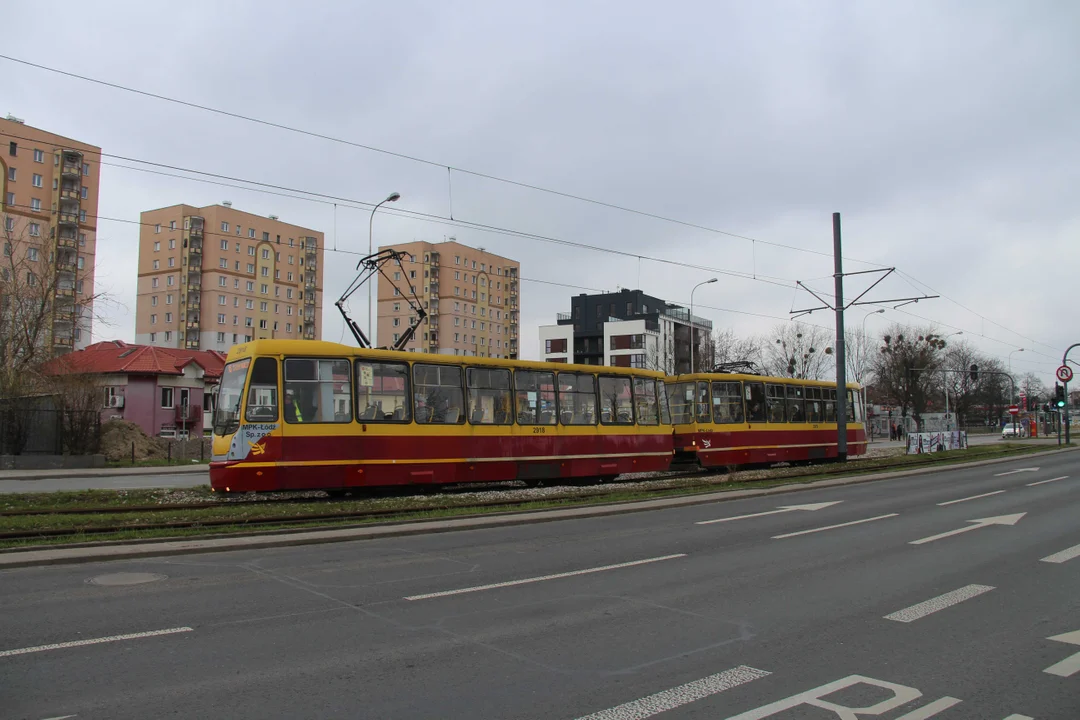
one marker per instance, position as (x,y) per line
(164,548)
(60,474)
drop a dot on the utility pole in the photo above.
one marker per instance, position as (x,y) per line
(1065,385)
(841,369)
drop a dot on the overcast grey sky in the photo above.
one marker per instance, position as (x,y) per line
(945,132)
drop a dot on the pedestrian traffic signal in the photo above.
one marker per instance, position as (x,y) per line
(1059,394)
(974,373)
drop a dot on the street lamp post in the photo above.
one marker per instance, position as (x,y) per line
(945,386)
(1014,385)
(865,318)
(392,197)
(691,319)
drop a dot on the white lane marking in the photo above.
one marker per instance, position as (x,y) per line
(980,523)
(782,509)
(1014,716)
(1070,665)
(661,702)
(60,717)
(928,711)
(1013,472)
(1064,556)
(1042,482)
(833,527)
(525,581)
(94,641)
(913,613)
(973,497)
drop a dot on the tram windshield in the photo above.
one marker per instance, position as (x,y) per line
(230,392)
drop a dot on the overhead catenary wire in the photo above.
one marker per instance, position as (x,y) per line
(413,158)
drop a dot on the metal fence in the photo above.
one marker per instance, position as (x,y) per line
(34,426)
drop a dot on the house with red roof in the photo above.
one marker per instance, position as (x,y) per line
(168,392)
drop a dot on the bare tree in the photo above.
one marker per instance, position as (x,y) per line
(797,350)
(859,352)
(904,369)
(732,348)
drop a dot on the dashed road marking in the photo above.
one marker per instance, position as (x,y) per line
(1013,472)
(1043,482)
(525,581)
(833,527)
(1064,556)
(913,613)
(973,497)
(94,641)
(661,702)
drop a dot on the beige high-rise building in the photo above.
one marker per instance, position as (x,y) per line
(471,297)
(50,201)
(215,276)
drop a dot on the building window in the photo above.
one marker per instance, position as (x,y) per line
(264,288)
(152,336)
(35,204)
(222,281)
(79,287)
(223,263)
(153,319)
(236,283)
(157,244)
(35,180)
(39,156)
(220,299)
(172,244)
(236,302)
(170,280)
(249,304)
(291,258)
(251,267)
(168,335)
(225,228)
(11,174)
(153,282)
(221,337)
(265,271)
(288,327)
(221,318)
(82,216)
(555,346)
(168,316)
(251,232)
(288,309)
(250,286)
(82,192)
(32,254)
(172,262)
(153,300)
(247,322)
(288,293)
(34,230)
(262,324)
(262,306)
(168,298)
(86,169)
(251,250)
(266,253)
(224,244)
(166,397)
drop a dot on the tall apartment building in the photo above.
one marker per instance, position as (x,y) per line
(470,295)
(627,329)
(50,200)
(215,276)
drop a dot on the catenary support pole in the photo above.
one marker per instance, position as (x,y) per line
(841,375)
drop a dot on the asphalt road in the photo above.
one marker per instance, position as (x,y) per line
(106,481)
(794,614)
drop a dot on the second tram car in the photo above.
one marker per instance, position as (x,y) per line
(735,419)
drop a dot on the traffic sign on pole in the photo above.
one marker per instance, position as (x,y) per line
(1064,373)
(1014,409)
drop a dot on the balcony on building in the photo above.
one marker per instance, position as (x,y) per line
(195,245)
(434,257)
(513,273)
(67,219)
(71,164)
(70,193)
(188,413)
(66,259)
(194,300)
(564,319)
(194,283)
(309,280)
(196,229)
(434,287)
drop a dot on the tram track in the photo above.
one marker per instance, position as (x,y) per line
(375,513)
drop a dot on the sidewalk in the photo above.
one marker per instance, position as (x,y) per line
(102,472)
(283,538)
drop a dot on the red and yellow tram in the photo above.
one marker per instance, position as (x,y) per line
(296,414)
(734,419)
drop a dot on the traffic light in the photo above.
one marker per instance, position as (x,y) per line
(1059,394)
(974,373)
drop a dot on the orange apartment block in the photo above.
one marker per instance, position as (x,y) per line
(49,188)
(215,276)
(470,295)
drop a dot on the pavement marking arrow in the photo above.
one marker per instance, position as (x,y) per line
(1013,472)
(980,523)
(782,509)
(1070,665)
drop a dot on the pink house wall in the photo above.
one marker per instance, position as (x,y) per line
(142,405)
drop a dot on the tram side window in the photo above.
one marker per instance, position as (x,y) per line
(616,405)
(262,402)
(535,397)
(645,401)
(774,401)
(489,396)
(317,391)
(681,401)
(815,412)
(829,400)
(796,413)
(382,392)
(662,397)
(437,394)
(754,392)
(577,399)
(850,406)
(727,403)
